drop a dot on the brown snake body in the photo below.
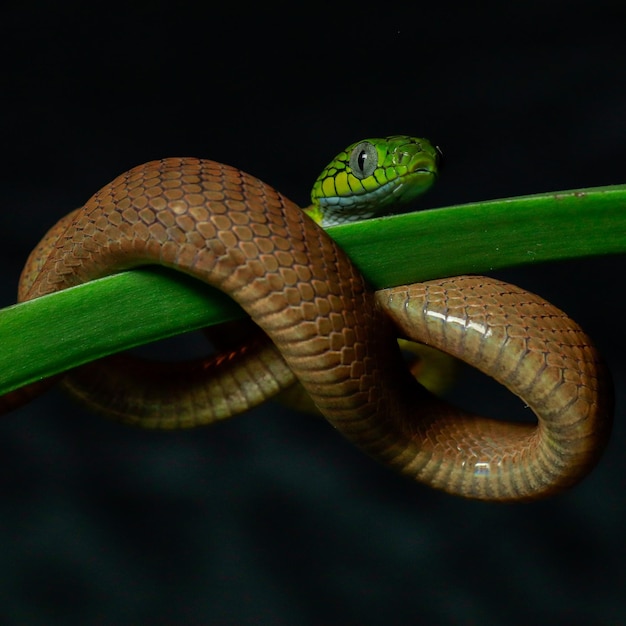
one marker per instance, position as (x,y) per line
(326,327)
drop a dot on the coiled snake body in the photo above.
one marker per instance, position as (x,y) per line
(323,326)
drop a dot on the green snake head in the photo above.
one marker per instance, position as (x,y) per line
(372,177)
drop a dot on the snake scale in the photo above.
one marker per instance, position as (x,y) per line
(315,320)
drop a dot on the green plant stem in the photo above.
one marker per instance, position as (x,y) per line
(60,331)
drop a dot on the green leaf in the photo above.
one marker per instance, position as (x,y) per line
(60,331)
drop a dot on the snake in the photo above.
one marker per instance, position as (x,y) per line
(314,319)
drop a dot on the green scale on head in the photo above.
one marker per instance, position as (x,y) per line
(372,177)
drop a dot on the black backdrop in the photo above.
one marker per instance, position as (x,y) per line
(272,518)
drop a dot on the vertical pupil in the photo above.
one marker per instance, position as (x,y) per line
(363,159)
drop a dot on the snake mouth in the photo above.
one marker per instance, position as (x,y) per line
(426,170)
(399,192)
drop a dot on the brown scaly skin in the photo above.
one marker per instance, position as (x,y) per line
(324,325)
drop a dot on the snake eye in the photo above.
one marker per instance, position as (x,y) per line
(363,159)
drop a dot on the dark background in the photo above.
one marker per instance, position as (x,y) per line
(272,518)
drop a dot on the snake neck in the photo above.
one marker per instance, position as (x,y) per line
(334,215)
(314,211)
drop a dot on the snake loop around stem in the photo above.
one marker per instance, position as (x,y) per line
(319,323)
